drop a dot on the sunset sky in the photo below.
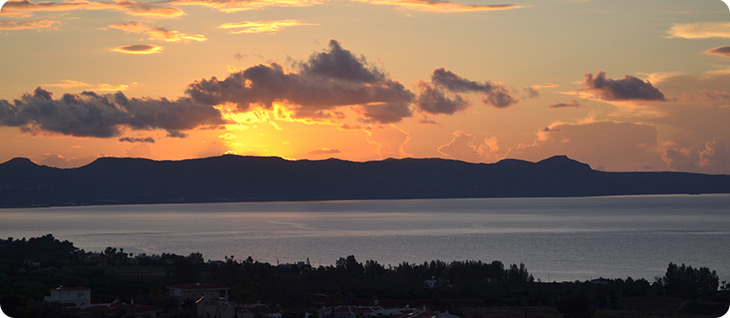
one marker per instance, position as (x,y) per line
(622,85)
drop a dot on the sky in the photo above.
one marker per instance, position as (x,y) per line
(623,85)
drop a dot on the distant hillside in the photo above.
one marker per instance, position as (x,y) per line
(236,178)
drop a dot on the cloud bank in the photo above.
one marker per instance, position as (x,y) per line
(92,115)
(328,80)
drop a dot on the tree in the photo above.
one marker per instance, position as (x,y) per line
(690,282)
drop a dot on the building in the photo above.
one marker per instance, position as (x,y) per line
(73,297)
(197,291)
(428,314)
(218,308)
(347,311)
(115,309)
(270,313)
(435,283)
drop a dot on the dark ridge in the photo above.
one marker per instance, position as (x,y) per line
(232,178)
(18,163)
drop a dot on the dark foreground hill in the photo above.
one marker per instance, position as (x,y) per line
(236,178)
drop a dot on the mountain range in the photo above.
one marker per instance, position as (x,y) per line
(231,178)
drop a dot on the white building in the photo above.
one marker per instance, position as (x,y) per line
(75,297)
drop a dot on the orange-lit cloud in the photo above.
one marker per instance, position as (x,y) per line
(700,30)
(324,151)
(68,84)
(157,33)
(712,157)
(723,51)
(260,26)
(229,6)
(56,160)
(101,87)
(463,147)
(605,144)
(139,49)
(441,5)
(389,140)
(329,81)
(29,25)
(131,7)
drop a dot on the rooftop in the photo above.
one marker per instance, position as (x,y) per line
(197,286)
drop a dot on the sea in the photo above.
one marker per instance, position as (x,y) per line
(558,239)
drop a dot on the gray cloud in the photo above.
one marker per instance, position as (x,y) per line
(573,103)
(723,51)
(93,115)
(135,140)
(385,113)
(495,93)
(433,100)
(328,80)
(627,88)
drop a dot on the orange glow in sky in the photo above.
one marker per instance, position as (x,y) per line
(639,85)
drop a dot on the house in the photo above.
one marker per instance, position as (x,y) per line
(74,297)
(270,313)
(433,283)
(197,291)
(428,314)
(115,309)
(218,308)
(391,312)
(347,311)
(600,281)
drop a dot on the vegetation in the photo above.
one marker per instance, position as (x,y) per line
(30,268)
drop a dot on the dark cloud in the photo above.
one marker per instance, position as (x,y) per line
(93,115)
(723,51)
(328,80)
(385,113)
(495,93)
(139,49)
(573,103)
(627,88)
(532,92)
(432,100)
(135,140)
(176,134)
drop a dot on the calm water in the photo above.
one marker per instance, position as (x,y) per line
(557,238)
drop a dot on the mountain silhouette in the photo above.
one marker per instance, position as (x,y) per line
(232,178)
